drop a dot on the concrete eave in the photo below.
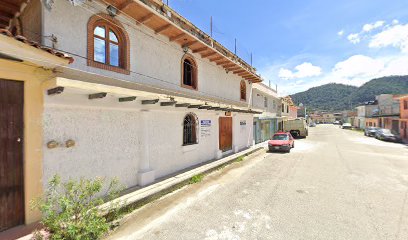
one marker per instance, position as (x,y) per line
(82,87)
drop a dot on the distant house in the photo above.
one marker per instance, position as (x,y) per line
(364,115)
(404,118)
(266,100)
(388,111)
(288,110)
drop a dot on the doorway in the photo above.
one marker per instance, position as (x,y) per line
(225,133)
(11,154)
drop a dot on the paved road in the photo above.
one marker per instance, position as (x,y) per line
(336,184)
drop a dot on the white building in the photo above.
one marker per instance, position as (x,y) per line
(148,93)
(267,101)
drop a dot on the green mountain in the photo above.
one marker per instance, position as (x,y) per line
(336,97)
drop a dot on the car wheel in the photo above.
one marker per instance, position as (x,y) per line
(293,145)
(288,150)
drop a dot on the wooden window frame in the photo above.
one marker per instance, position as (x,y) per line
(194,80)
(109,23)
(242,91)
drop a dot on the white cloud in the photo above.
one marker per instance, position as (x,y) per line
(303,70)
(395,22)
(340,33)
(371,26)
(355,70)
(354,38)
(358,65)
(394,36)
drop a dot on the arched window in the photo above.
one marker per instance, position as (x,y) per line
(189,72)
(243,90)
(190,129)
(108,44)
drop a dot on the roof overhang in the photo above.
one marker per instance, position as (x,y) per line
(14,49)
(60,86)
(165,21)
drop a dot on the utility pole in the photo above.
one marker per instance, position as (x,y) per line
(211,27)
(167,2)
(251,64)
(235,47)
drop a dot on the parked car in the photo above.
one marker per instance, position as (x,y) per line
(370,131)
(346,126)
(387,135)
(336,123)
(312,124)
(281,141)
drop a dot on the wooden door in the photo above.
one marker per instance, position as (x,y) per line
(225,133)
(11,154)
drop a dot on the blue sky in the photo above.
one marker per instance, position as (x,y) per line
(301,44)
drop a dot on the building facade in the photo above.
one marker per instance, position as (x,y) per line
(265,99)
(404,118)
(146,94)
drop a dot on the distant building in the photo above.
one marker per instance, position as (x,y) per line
(266,100)
(288,110)
(363,113)
(322,117)
(388,111)
(404,118)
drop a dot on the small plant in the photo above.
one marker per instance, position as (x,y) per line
(70,209)
(196,178)
(239,159)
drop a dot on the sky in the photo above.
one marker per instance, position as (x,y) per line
(298,44)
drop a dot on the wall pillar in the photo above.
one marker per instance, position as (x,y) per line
(146,174)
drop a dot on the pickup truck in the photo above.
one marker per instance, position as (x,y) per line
(297,127)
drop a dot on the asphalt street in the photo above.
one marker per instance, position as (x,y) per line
(336,184)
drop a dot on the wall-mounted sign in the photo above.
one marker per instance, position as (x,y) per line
(242,123)
(205,128)
(205,122)
(227,113)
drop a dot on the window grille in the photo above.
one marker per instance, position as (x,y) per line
(189,130)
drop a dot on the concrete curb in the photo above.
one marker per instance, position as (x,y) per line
(156,190)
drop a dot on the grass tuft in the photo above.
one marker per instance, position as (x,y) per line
(196,179)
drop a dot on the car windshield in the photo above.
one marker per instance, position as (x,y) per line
(386,131)
(280,137)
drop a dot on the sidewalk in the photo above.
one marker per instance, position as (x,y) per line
(160,187)
(166,184)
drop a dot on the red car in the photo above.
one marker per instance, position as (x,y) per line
(281,141)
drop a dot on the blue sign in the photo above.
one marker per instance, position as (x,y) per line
(205,122)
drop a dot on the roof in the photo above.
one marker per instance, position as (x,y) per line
(52,51)
(8,9)
(163,20)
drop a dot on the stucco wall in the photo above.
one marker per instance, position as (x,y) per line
(258,101)
(150,54)
(109,141)
(106,143)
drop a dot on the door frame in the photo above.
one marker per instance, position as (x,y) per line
(33,108)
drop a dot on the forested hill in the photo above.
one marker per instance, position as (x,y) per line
(335,97)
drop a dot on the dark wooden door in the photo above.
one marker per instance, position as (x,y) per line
(11,154)
(225,133)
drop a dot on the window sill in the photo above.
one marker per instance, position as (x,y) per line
(189,147)
(108,67)
(188,87)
